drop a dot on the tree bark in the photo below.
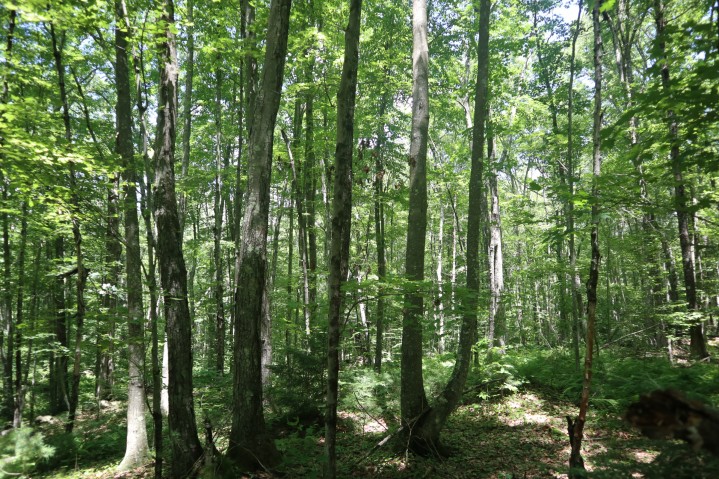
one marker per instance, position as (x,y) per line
(250,444)
(186,447)
(136,444)
(189,67)
(6,329)
(576,427)
(569,205)
(19,389)
(341,224)
(379,235)
(495,256)
(219,207)
(413,400)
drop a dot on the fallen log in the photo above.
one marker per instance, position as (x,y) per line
(666,414)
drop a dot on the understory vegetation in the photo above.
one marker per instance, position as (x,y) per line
(511,423)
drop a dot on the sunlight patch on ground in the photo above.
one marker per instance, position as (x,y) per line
(369,425)
(645,456)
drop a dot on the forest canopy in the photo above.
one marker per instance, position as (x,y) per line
(320,238)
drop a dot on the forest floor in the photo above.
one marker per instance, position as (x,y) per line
(512,424)
(517,435)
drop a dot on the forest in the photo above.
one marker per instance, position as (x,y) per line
(339,239)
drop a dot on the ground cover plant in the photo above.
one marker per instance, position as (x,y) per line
(511,424)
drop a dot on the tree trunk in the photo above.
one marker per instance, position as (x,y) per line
(379,235)
(19,389)
(189,67)
(569,205)
(341,224)
(186,448)
(219,207)
(6,329)
(250,444)
(136,444)
(698,345)
(413,399)
(106,332)
(576,427)
(496,258)
(428,426)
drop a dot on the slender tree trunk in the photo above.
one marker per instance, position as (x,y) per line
(341,224)
(136,444)
(186,448)
(439,302)
(19,389)
(496,258)
(250,444)
(6,326)
(697,346)
(302,231)
(106,332)
(219,206)
(379,234)
(569,205)
(413,399)
(76,233)
(428,427)
(189,67)
(576,427)
(310,188)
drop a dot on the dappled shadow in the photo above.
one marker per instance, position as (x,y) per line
(524,436)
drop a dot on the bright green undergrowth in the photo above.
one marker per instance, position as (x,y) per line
(618,379)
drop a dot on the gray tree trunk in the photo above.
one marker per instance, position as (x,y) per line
(250,444)
(413,400)
(186,448)
(576,427)
(428,426)
(341,224)
(136,444)
(189,67)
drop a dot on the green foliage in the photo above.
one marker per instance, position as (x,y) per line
(617,380)
(67,447)
(299,445)
(20,451)
(376,395)
(297,388)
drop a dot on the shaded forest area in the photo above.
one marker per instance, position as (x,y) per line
(359,239)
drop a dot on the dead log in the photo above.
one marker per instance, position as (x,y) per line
(667,414)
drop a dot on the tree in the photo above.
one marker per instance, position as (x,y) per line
(576,427)
(341,223)
(186,448)
(413,398)
(681,201)
(249,443)
(136,444)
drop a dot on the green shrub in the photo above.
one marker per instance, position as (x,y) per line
(66,450)
(20,451)
(617,380)
(297,390)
